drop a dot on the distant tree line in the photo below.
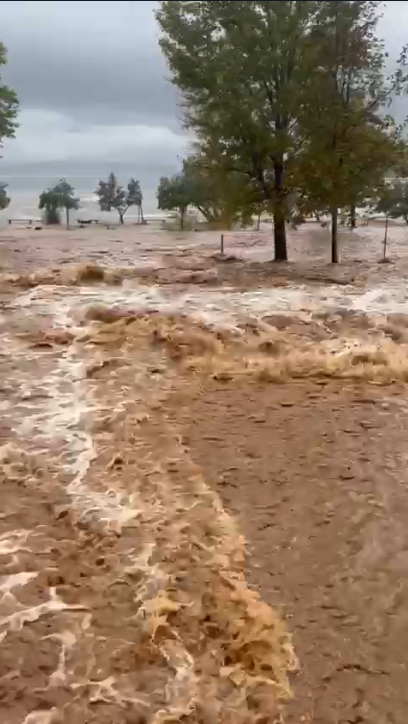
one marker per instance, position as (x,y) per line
(111,196)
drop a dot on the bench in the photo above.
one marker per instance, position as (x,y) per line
(30,222)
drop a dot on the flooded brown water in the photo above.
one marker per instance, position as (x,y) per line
(160,406)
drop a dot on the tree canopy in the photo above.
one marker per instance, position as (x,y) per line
(113,196)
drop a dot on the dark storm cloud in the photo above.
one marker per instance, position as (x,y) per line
(96,62)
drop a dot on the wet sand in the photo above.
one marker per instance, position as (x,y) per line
(154,417)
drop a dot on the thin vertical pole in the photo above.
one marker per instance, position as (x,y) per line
(385,237)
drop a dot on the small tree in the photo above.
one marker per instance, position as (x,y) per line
(67,200)
(49,203)
(135,198)
(59,197)
(113,196)
(175,193)
(394,201)
(4,199)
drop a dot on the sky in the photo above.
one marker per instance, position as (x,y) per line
(92,82)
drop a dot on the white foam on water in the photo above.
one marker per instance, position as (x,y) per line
(70,400)
(15,621)
(68,641)
(60,417)
(41,717)
(14,580)
(14,541)
(104,691)
(63,417)
(221,306)
(181,691)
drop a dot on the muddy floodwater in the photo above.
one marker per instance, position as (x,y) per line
(203,468)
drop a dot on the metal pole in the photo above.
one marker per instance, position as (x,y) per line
(385,237)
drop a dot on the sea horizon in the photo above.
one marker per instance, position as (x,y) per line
(25,182)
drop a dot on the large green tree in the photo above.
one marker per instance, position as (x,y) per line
(348,141)
(242,67)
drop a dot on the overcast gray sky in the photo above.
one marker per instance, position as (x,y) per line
(91,80)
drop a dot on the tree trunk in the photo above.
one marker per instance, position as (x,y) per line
(279,227)
(67,216)
(182,214)
(279,237)
(141,214)
(121,218)
(258,223)
(353,221)
(334,249)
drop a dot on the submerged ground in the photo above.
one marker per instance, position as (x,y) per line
(203,471)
